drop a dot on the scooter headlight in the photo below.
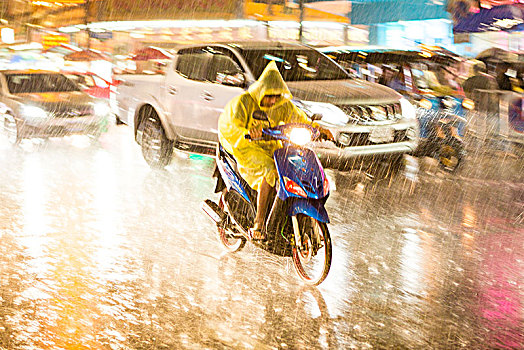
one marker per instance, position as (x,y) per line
(449,102)
(468,104)
(300,136)
(426,104)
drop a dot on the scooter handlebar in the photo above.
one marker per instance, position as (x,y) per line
(278,132)
(264,137)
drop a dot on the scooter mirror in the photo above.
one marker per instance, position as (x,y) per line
(260,115)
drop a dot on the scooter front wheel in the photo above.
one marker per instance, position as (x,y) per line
(225,236)
(449,157)
(312,256)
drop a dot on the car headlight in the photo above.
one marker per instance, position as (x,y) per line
(102,109)
(34,112)
(408,111)
(300,136)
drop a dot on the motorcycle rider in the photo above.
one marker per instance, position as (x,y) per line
(255,159)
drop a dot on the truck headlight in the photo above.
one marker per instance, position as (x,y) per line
(34,112)
(408,111)
(344,139)
(101,109)
(331,114)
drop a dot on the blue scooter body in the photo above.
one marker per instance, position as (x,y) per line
(299,165)
(230,176)
(428,117)
(302,166)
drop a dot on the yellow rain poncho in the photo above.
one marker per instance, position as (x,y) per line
(255,158)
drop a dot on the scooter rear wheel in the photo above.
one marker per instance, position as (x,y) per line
(312,259)
(225,237)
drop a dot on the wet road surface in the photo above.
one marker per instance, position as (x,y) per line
(99,252)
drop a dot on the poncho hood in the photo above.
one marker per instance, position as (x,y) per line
(270,82)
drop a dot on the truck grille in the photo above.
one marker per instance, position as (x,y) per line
(372,114)
(73,112)
(362,138)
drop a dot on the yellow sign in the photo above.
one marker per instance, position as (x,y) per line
(53,40)
(272,10)
(47,3)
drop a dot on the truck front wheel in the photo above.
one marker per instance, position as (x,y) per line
(157,149)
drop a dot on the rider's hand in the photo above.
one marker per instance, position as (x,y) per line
(325,134)
(255,133)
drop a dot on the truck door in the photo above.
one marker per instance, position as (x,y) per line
(226,80)
(184,86)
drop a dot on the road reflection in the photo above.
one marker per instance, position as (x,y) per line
(98,251)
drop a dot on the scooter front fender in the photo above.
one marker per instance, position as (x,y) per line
(310,207)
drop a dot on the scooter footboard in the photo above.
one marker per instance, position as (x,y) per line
(310,207)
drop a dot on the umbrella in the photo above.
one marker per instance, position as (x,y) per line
(86,55)
(151,53)
(505,17)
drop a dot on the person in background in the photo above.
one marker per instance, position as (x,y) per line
(516,81)
(503,81)
(447,77)
(479,81)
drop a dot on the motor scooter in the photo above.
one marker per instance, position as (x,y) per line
(441,136)
(296,225)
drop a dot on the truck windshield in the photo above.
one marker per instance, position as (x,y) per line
(294,64)
(41,82)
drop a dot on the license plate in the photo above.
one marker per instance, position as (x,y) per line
(381,135)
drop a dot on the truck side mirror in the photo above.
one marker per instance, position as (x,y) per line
(233,79)
(316,116)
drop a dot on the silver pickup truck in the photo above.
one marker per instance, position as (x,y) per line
(180,108)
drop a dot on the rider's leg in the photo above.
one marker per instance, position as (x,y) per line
(262,201)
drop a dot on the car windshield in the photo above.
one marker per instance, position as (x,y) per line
(18,83)
(295,64)
(84,80)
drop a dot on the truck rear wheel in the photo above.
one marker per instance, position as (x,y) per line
(157,149)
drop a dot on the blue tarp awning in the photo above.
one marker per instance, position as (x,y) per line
(382,11)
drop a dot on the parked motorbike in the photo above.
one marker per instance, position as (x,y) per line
(296,225)
(441,136)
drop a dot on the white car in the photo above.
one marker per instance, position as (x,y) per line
(37,103)
(180,108)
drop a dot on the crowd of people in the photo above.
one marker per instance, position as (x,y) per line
(449,79)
